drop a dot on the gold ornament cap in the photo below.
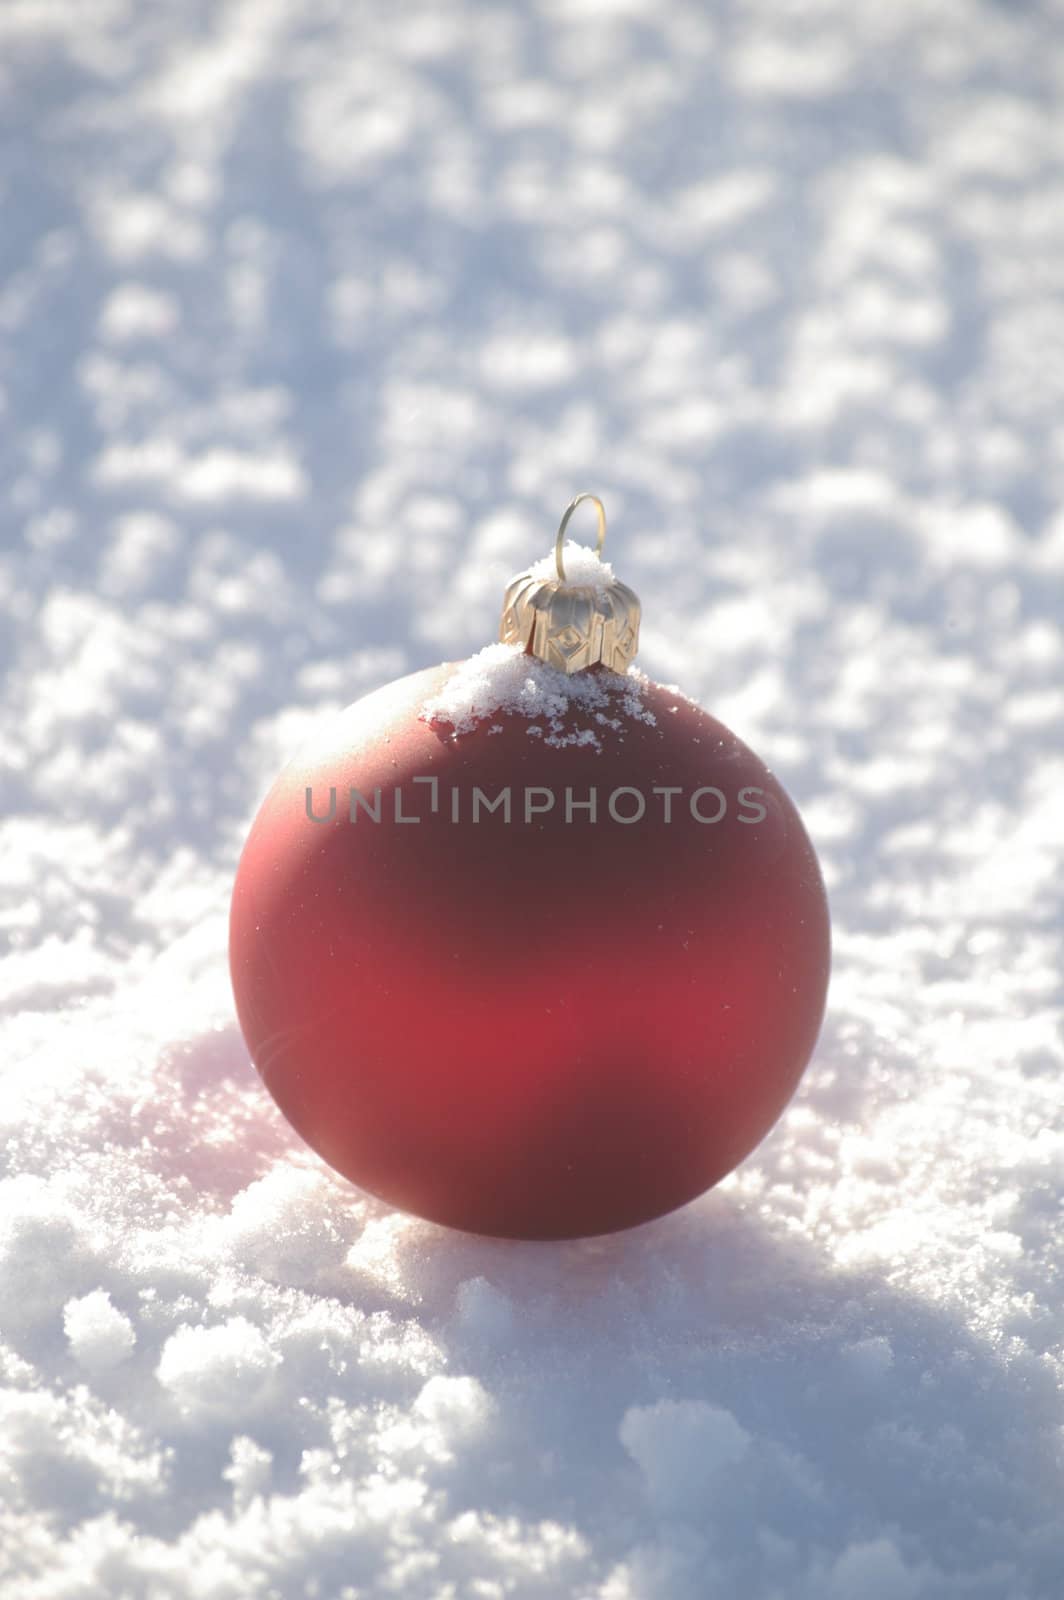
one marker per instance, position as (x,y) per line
(572,626)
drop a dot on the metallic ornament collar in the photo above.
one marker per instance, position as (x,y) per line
(572,626)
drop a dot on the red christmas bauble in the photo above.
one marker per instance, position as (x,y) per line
(545,1024)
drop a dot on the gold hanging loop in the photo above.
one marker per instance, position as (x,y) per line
(573,626)
(570,508)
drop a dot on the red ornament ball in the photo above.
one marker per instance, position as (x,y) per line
(558,1014)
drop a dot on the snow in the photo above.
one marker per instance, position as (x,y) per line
(584,568)
(226,1367)
(313,317)
(575,708)
(683,1448)
(101,1336)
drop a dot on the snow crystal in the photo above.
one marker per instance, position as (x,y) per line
(101,1336)
(484,1309)
(249,1470)
(45,1251)
(504,678)
(458,1406)
(682,1448)
(221,1369)
(293,1225)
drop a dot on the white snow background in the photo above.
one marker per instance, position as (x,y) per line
(313,315)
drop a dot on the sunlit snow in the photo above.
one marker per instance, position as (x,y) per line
(313,318)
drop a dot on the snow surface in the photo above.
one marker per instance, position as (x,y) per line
(313,316)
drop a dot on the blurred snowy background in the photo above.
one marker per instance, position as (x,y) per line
(309,311)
